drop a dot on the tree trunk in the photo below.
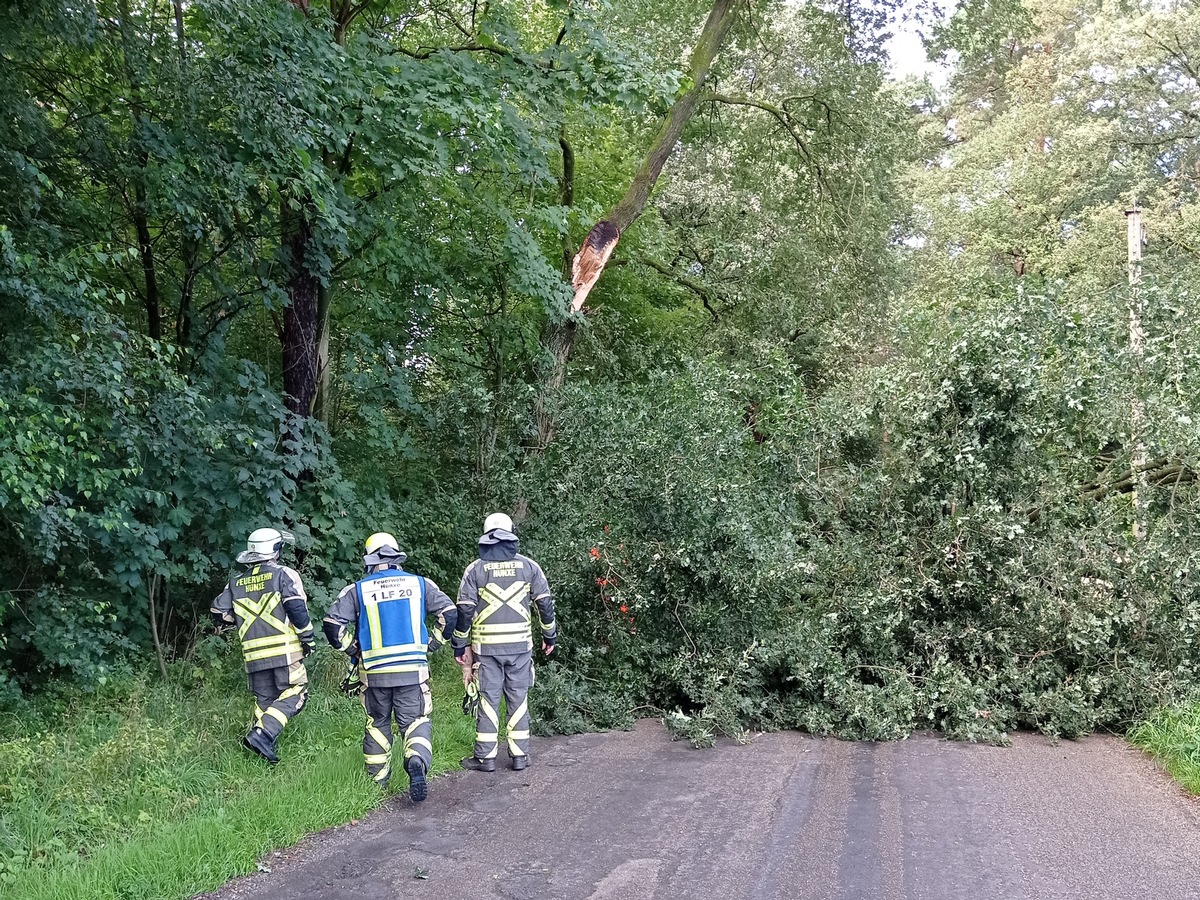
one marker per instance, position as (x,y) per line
(566,195)
(716,29)
(152,583)
(141,220)
(189,253)
(600,242)
(306,320)
(555,333)
(301,318)
(322,402)
(189,246)
(141,223)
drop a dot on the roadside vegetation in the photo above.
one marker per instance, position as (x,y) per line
(874,422)
(1172,737)
(140,788)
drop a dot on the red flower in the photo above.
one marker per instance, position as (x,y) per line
(602,581)
(594,553)
(623,608)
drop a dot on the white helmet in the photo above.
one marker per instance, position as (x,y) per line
(497,520)
(264,544)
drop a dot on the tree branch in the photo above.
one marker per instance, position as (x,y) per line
(1156,471)
(697,287)
(781,115)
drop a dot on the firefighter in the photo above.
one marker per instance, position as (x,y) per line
(380,620)
(494,603)
(266,603)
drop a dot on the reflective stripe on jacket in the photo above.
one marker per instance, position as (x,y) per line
(494,602)
(255,601)
(391,622)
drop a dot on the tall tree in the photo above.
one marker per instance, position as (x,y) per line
(589,262)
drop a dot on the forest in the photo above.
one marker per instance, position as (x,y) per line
(876,419)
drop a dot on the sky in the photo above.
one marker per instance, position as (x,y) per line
(907,55)
(904,47)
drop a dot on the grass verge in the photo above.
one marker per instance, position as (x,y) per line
(1172,737)
(141,790)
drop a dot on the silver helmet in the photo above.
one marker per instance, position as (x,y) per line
(264,545)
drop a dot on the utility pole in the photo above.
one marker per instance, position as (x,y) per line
(1136,233)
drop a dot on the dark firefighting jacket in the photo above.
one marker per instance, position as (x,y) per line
(267,604)
(495,599)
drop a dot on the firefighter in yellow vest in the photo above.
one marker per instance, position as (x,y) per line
(495,599)
(380,620)
(266,603)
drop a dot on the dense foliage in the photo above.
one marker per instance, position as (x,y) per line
(848,435)
(913,549)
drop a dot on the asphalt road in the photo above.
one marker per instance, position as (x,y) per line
(633,815)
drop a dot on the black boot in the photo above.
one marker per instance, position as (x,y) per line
(519,763)
(257,741)
(418,788)
(478,765)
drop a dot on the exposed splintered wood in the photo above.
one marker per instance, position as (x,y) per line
(590,260)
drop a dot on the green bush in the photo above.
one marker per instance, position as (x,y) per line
(122,478)
(911,550)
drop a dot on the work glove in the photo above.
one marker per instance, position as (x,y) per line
(470,703)
(306,647)
(435,642)
(352,684)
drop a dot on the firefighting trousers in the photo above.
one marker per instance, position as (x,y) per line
(411,705)
(279,693)
(510,677)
